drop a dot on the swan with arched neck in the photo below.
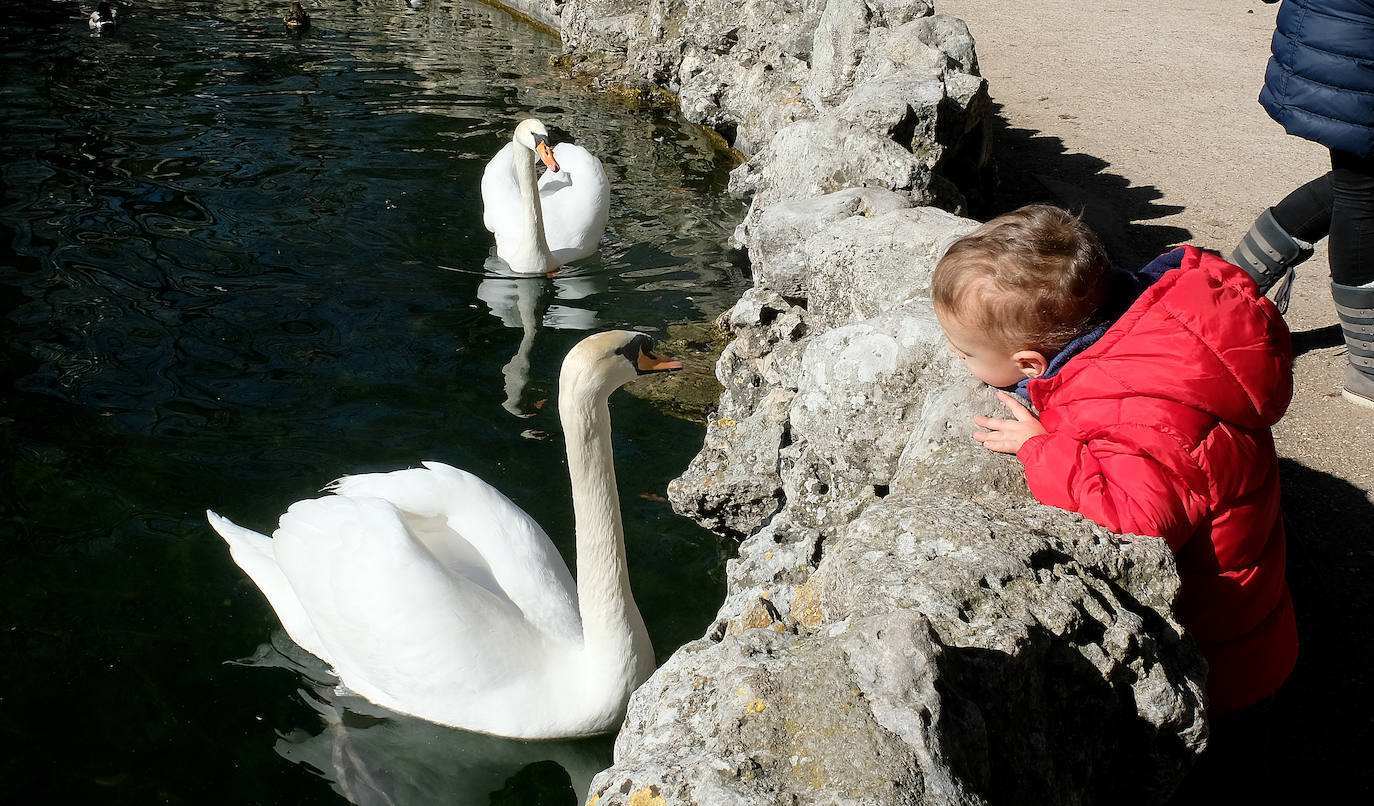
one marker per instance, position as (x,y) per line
(432,594)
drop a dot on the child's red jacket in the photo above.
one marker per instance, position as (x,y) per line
(1161,428)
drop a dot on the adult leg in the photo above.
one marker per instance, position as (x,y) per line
(1306,212)
(1351,248)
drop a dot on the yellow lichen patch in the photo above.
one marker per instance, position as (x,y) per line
(756,706)
(768,556)
(806,605)
(758,615)
(726,422)
(593,801)
(648,796)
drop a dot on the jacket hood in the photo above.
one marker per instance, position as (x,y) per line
(1202,336)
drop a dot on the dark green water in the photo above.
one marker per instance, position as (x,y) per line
(235,265)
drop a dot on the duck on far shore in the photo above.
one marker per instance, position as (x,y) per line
(296,19)
(104,16)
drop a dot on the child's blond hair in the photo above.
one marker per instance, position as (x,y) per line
(1034,278)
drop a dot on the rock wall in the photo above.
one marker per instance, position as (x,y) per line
(818,94)
(904,624)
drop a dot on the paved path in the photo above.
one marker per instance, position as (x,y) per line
(1145,117)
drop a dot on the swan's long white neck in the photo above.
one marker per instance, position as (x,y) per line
(612,627)
(533,246)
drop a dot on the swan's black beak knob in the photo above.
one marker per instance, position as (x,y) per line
(640,352)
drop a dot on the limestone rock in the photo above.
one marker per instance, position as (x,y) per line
(866,265)
(859,389)
(817,156)
(735,66)
(803,719)
(780,228)
(751,69)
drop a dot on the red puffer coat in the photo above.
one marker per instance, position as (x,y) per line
(1161,428)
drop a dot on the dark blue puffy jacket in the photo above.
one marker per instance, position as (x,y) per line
(1320,81)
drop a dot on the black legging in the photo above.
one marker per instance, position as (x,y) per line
(1338,205)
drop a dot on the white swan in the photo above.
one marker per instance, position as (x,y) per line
(431,594)
(542,225)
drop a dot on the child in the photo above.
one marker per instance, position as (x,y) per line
(1155,391)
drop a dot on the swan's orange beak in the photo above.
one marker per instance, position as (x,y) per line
(648,362)
(545,152)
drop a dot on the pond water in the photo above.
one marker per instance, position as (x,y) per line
(237,264)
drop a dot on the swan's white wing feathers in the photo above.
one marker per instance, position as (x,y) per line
(576,202)
(394,621)
(253,553)
(485,530)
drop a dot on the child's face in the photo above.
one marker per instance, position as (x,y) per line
(989,361)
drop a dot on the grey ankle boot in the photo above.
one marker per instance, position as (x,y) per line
(1355,304)
(1268,254)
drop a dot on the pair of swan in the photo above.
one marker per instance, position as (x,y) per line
(432,594)
(541,224)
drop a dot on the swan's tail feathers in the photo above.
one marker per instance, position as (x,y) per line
(253,552)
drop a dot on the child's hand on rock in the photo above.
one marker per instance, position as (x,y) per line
(1007,436)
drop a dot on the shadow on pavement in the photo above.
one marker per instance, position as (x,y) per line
(1317,339)
(1035,167)
(1313,742)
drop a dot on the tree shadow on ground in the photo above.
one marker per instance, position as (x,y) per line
(1033,167)
(1313,742)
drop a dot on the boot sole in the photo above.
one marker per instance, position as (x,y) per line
(1358,400)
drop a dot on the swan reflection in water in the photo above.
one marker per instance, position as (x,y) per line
(374,756)
(519,302)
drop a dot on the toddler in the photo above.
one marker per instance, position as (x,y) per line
(1153,394)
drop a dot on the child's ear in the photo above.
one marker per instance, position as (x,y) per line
(1031,363)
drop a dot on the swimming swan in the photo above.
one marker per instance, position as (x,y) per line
(431,594)
(542,225)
